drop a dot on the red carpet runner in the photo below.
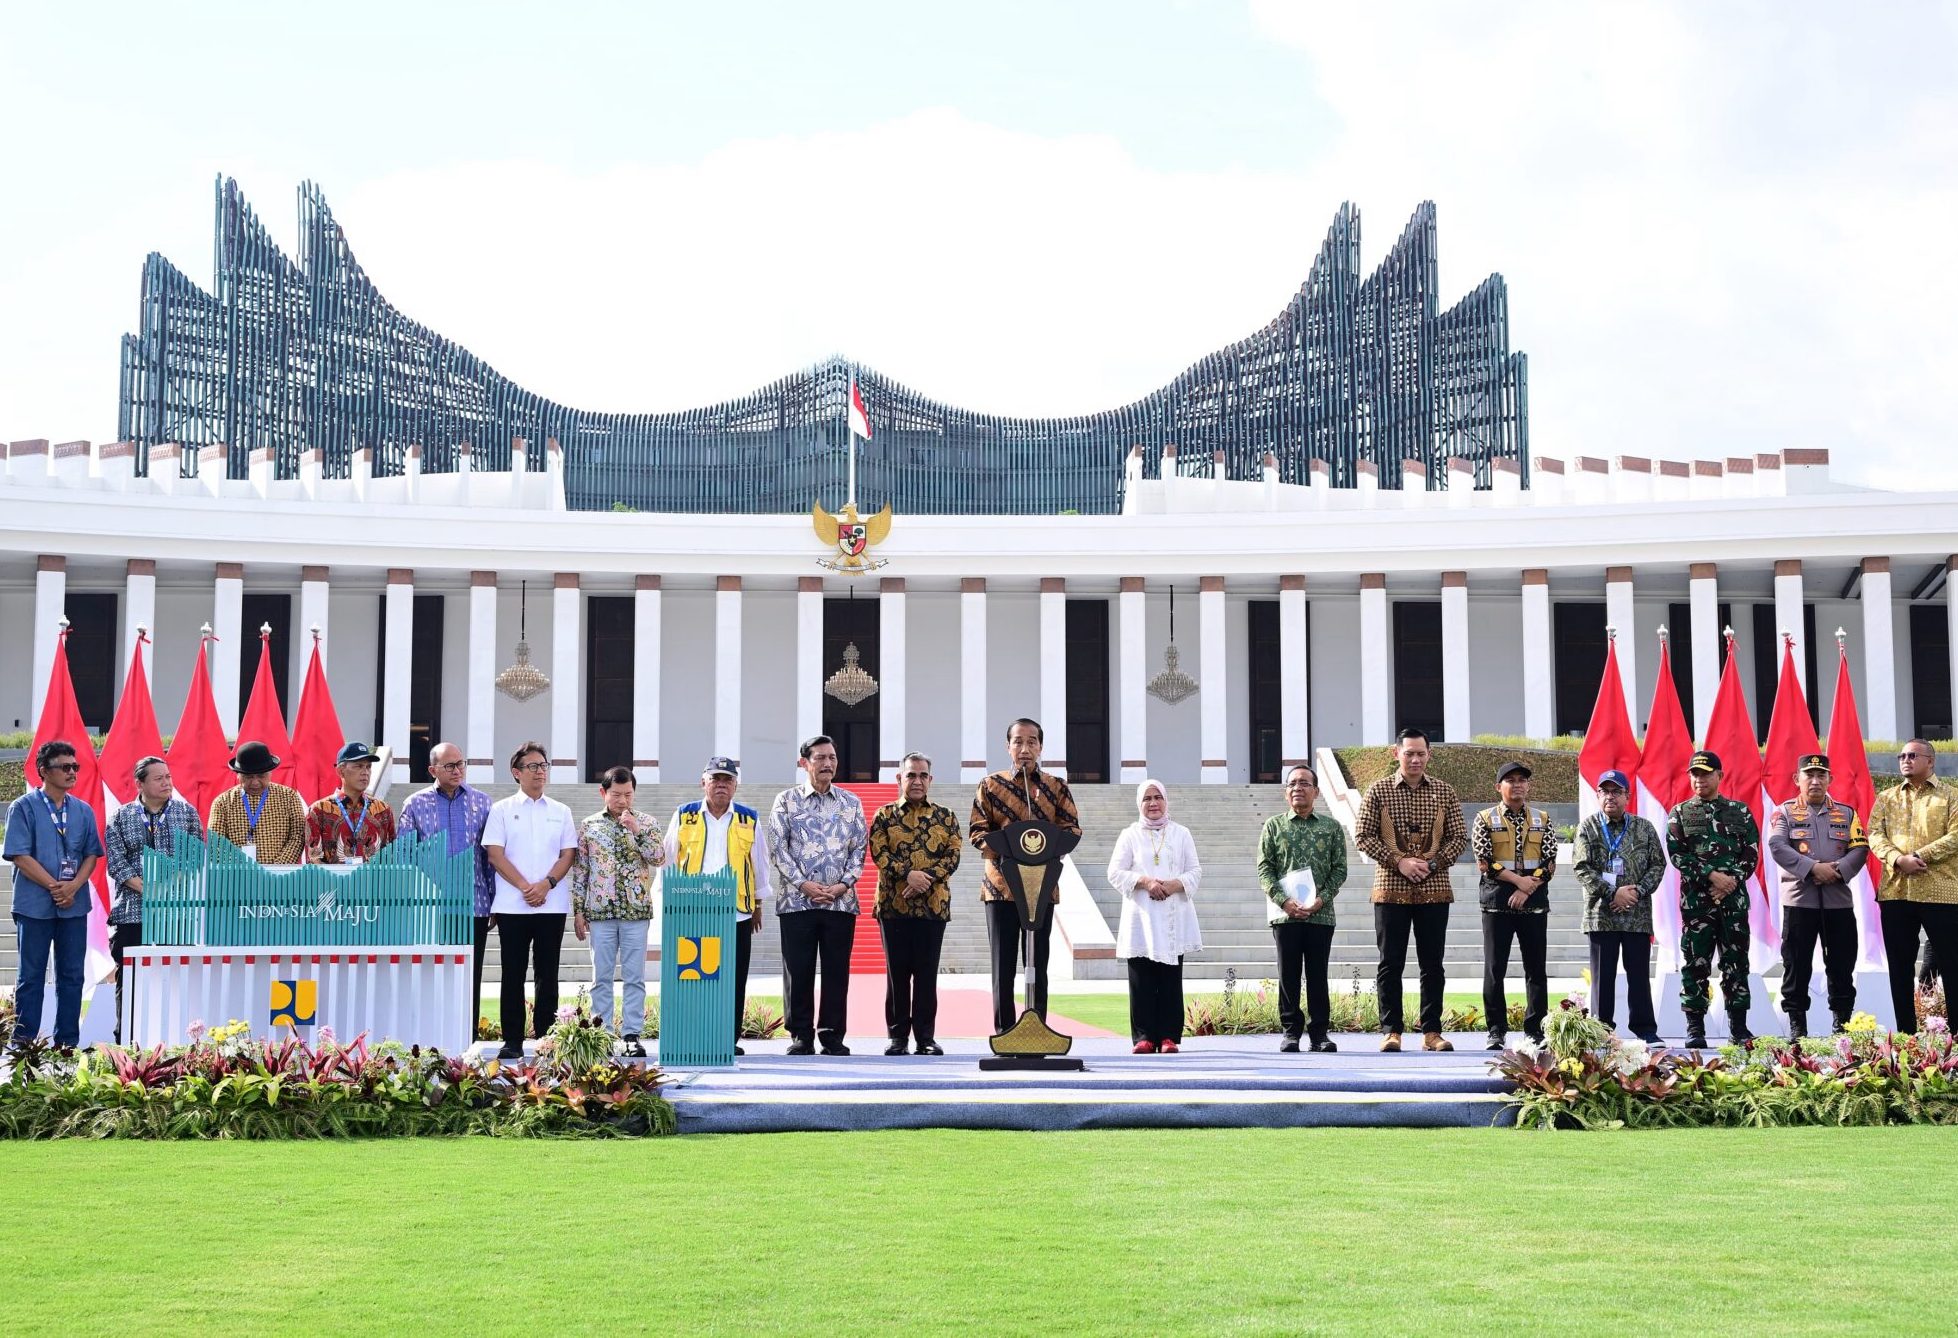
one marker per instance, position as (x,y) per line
(867,953)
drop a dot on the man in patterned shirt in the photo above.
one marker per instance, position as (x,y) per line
(1301,865)
(158,820)
(457,812)
(915,845)
(264,820)
(612,900)
(349,825)
(1410,826)
(1620,864)
(1914,831)
(1516,853)
(816,839)
(1020,792)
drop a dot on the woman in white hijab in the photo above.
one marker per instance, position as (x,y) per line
(1155,869)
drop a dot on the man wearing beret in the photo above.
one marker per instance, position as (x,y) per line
(349,825)
(1819,847)
(1716,848)
(1516,851)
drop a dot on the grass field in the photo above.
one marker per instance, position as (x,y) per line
(1246,1231)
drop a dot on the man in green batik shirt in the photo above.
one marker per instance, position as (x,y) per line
(1620,864)
(1715,846)
(1292,846)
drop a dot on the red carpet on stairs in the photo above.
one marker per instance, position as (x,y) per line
(867,953)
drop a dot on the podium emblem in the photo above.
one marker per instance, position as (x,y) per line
(295,1003)
(1033,842)
(699,958)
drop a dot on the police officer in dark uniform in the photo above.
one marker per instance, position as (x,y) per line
(1716,848)
(1820,847)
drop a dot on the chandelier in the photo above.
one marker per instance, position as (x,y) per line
(852,683)
(1172,685)
(522,680)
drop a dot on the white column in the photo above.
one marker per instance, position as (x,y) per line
(228,622)
(50,595)
(1539,692)
(1618,614)
(645,679)
(727,667)
(1053,674)
(1132,659)
(399,611)
(809,657)
(1951,625)
(1213,694)
(139,610)
(480,741)
(972,678)
(1788,615)
(1294,666)
(1879,651)
(1455,694)
(1703,589)
(892,723)
(1376,666)
(567,678)
(312,613)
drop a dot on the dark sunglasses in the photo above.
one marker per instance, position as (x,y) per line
(62,766)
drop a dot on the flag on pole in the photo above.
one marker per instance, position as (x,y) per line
(316,737)
(1662,784)
(200,756)
(263,719)
(1791,735)
(859,415)
(1850,783)
(1609,743)
(133,736)
(1730,734)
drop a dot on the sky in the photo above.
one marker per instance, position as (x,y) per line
(1724,228)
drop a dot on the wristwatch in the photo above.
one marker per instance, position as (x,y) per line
(551,879)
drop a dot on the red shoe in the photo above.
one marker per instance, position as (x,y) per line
(1144,1048)
(1170,1048)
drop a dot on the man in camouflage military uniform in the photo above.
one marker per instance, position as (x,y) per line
(1715,846)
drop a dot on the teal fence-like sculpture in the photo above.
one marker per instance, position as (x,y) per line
(696,992)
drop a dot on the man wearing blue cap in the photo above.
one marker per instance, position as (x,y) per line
(349,825)
(1620,864)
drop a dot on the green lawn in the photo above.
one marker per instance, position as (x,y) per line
(1244,1231)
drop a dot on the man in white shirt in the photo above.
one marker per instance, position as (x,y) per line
(698,838)
(531,840)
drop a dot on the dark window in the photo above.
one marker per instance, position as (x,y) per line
(1265,666)
(1679,624)
(1930,670)
(1579,655)
(424,684)
(92,633)
(260,610)
(846,623)
(1767,664)
(1418,666)
(1087,690)
(609,635)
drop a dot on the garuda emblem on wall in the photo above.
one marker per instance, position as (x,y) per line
(853,537)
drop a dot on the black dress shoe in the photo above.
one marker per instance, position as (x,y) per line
(1322,1046)
(930,1048)
(894,1048)
(1497,1041)
(510,1052)
(835,1048)
(632,1049)
(799,1047)
(739,1051)
(1289,1046)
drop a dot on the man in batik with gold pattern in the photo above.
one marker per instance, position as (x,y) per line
(915,845)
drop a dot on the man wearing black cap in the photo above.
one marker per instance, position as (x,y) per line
(1620,864)
(266,821)
(349,825)
(1716,848)
(1516,851)
(1820,847)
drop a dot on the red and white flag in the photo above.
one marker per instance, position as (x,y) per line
(1662,784)
(1791,736)
(200,757)
(133,736)
(1730,735)
(859,415)
(1609,743)
(1850,783)
(264,721)
(316,736)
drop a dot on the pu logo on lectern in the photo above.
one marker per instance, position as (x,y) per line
(698,958)
(295,1003)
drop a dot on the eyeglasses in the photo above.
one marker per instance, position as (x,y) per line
(1911,757)
(447,766)
(62,766)
(535,766)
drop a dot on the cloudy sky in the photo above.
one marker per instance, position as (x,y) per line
(1725,227)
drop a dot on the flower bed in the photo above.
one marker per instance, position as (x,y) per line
(1254,1012)
(224,1084)
(1585,1078)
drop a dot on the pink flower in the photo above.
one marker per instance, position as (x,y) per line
(196,1030)
(1936,1024)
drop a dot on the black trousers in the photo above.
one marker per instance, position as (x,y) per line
(911,947)
(810,938)
(532,939)
(1801,928)
(1901,922)
(1391,923)
(1608,946)
(122,937)
(1003,939)
(1308,948)
(1531,933)
(744,954)
(482,951)
(1155,1000)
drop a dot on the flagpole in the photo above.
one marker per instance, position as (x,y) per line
(850,427)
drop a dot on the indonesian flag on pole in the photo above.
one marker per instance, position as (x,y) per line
(1791,735)
(263,720)
(859,415)
(1730,734)
(316,737)
(1609,743)
(133,736)
(1662,784)
(1850,783)
(199,755)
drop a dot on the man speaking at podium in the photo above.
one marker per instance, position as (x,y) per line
(1021,792)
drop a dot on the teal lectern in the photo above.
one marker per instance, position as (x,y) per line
(696,976)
